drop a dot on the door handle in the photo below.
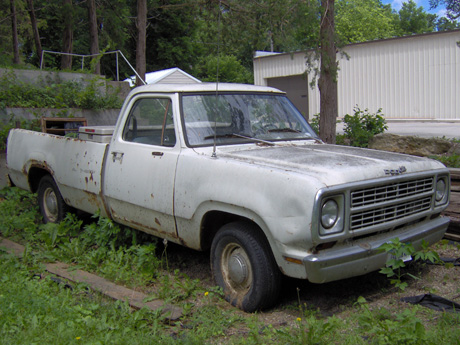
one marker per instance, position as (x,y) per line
(117,156)
(157,154)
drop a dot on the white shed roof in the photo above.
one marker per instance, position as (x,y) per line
(169,76)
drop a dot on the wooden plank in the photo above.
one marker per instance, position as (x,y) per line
(453,237)
(135,299)
(454,173)
(117,292)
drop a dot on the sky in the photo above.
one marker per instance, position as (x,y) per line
(396,5)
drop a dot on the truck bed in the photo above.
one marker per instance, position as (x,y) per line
(75,164)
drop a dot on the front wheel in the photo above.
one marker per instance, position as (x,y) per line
(243,265)
(52,206)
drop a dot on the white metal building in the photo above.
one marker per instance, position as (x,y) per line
(415,77)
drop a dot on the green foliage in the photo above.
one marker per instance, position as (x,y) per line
(227,67)
(452,7)
(451,161)
(18,212)
(414,20)
(36,308)
(398,253)
(314,123)
(56,94)
(363,125)
(33,125)
(312,330)
(101,246)
(363,20)
(177,287)
(382,327)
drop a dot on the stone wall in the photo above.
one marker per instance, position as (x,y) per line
(48,77)
(94,117)
(413,145)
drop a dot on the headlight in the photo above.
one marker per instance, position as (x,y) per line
(329,214)
(442,191)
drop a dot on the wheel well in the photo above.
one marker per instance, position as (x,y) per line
(213,221)
(35,175)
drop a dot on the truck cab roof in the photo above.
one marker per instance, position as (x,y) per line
(204,87)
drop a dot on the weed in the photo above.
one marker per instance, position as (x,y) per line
(18,212)
(383,327)
(177,287)
(35,310)
(452,161)
(399,253)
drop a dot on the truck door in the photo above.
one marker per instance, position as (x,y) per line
(141,165)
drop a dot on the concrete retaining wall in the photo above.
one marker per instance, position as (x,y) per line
(49,77)
(103,117)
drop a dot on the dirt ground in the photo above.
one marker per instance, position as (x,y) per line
(337,297)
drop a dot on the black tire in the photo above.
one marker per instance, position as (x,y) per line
(50,202)
(243,265)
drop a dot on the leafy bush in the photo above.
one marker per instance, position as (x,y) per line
(33,125)
(382,327)
(452,161)
(362,125)
(56,94)
(314,123)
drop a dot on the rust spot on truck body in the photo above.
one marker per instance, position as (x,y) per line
(145,228)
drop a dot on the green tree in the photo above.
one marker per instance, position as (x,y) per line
(414,20)
(444,24)
(67,35)
(452,7)
(363,20)
(171,35)
(93,34)
(35,32)
(14,31)
(230,70)
(14,25)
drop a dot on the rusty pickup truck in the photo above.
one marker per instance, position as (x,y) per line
(237,170)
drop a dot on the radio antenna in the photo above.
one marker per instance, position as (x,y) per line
(214,154)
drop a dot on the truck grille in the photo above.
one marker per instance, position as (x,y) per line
(377,205)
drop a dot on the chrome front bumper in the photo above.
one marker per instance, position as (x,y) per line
(365,256)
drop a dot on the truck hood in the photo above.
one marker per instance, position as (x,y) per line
(333,164)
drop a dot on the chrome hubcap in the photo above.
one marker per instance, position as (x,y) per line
(50,205)
(236,268)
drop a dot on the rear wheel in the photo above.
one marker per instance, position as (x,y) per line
(243,265)
(50,201)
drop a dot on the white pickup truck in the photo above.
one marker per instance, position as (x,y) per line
(238,171)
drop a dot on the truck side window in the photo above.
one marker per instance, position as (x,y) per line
(151,122)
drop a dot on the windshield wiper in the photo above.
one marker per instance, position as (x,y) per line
(234,135)
(286,130)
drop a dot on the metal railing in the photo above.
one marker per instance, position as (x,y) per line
(116,52)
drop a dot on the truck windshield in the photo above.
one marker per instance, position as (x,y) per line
(237,118)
